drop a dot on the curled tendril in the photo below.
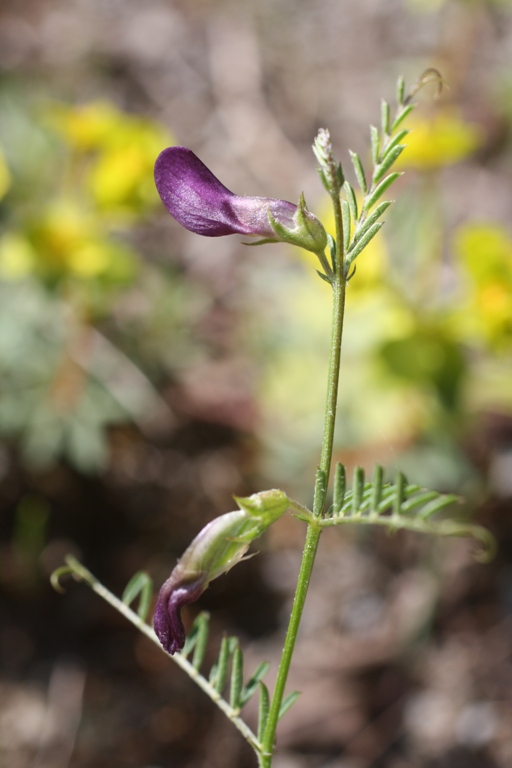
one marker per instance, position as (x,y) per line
(430,75)
(488,542)
(72,568)
(56,576)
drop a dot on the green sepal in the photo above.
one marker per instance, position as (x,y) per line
(266,506)
(308,232)
(265,241)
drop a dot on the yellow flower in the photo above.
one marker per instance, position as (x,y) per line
(439,140)
(67,240)
(85,127)
(17,257)
(121,177)
(123,149)
(484,252)
(5,176)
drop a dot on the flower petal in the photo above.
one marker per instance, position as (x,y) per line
(167,621)
(202,204)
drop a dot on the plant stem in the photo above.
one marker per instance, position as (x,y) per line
(308,559)
(78,570)
(314,530)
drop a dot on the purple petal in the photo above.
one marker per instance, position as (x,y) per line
(167,620)
(252,214)
(200,203)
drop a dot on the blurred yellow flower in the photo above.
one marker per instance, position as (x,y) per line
(5,176)
(484,252)
(17,257)
(85,127)
(439,140)
(123,149)
(66,240)
(121,177)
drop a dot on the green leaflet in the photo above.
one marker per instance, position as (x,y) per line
(398,505)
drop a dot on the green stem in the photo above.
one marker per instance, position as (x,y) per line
(338,310)
(308,559)
(314,530)
(333,376)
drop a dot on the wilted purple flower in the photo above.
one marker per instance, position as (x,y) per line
(218,547)
(198,200)
(174,594)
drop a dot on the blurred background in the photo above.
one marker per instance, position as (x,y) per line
(147,374)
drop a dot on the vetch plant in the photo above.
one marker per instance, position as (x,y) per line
(202,204)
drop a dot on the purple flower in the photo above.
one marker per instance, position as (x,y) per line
(174,594)
(198,201)
(217,547)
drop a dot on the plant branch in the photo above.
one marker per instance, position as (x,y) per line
(76,569)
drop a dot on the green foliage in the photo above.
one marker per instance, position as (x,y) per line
(263,710)
(397,506)
(141,586)
(230,659)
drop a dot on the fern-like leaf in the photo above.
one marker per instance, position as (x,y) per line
(399,505)
(250,689)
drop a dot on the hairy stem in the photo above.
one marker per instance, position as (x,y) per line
(308,559)
(314,530)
